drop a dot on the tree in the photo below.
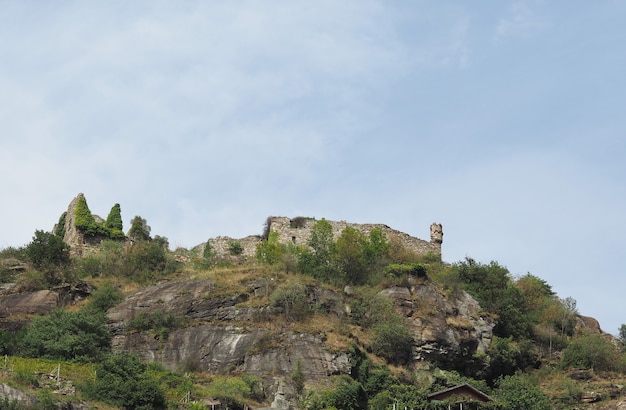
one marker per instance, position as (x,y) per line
(269,251)
(399,396)
(494,289)
(47,251)
(622,336)
(147,257)
(139,230)
(114,223)
(568,315)
(591,352)
(59,229)
(350,247)
(321,261)
(518,392)
(84,220)
(507,356)
(376,249)
(81,336)
(293,300)
(122,380)
(104,298)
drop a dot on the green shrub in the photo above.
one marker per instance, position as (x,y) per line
(293,300)
(139,229)
(33,280)
(393,341)
(413,269)
(114,223)
(369,309)
(235,248)
(507,357)
(89,265)
(270,251)
(80,336)
(48,251)
(104,298)
(159,322)
(59,229)
(591,352)
(518,392)
(347,395)
(350,257)
(123,380)
(400,396)
(495,291)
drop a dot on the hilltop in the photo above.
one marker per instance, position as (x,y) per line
(308,314)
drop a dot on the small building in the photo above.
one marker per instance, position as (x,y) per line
(459,395)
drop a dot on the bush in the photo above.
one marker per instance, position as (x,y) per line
(507,357)
(80,336)
(520,393)
(139,229)
(148,260)
(399,396)
(347,395)
(414,269)
(293,300)
(235,248)
(269,251)
(48,251)
(122,380)
(591,352)
(370,309)
(495,291)
(393,341)
(35,280)
(114,223)
(85,222)
(104,298)
(159,322)
(59,229)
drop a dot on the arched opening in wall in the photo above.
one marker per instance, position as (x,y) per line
(293,239)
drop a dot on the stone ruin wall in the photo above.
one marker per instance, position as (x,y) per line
(288,233)
(221,245)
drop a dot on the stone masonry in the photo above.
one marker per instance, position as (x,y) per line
(298,231)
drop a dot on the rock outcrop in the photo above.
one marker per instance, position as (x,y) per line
(221,332)
(71,235)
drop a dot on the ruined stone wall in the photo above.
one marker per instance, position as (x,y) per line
(221,245)
(298,232)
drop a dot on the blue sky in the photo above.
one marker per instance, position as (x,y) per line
(504,121)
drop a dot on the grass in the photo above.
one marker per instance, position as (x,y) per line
(69,370)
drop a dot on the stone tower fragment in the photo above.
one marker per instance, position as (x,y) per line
(436,233)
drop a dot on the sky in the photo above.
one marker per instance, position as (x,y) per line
(504,121)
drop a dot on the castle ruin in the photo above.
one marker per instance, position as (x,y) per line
(297,231)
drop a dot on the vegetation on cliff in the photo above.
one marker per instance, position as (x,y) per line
(536,358)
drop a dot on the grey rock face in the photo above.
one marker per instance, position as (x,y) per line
(219,335)
(447,330)
(11,394)
(29,303)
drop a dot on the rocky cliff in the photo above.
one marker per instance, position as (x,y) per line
(233,332)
